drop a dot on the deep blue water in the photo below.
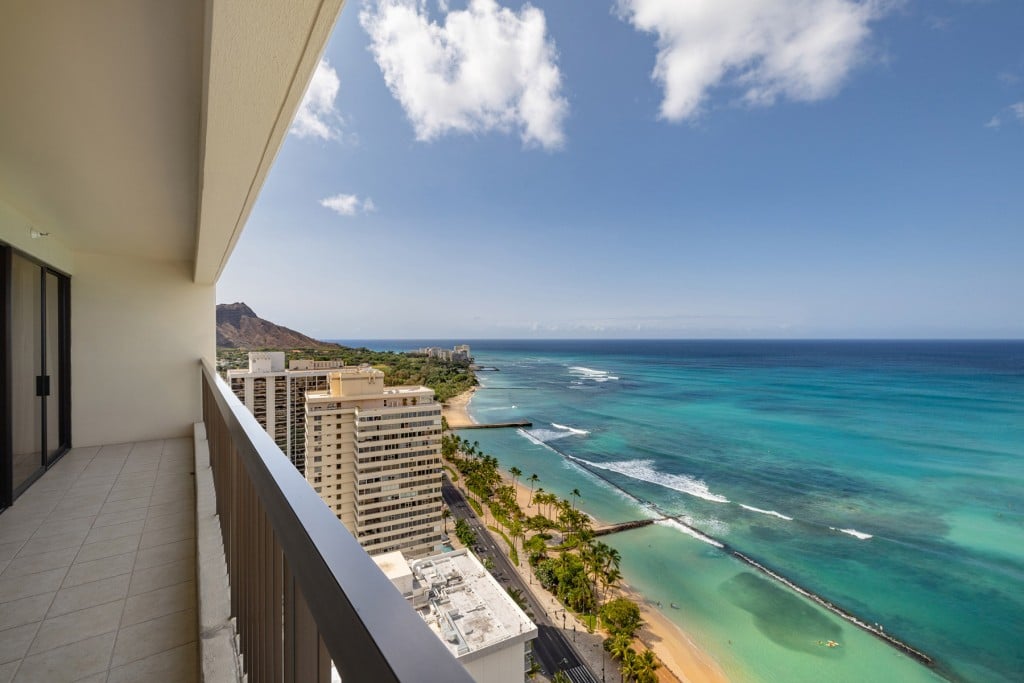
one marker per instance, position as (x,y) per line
(887,477)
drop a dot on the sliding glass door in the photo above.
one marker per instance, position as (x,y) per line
(36,360)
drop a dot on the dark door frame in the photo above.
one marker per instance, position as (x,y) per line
(63,333)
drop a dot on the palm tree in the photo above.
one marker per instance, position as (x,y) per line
(445,514)
(533,479)
(646,665)
(594,554)
(535,496)
(612,557)
(515,530)
(609,578)
(619,646)
(631,665)
(576,494)
(515,472)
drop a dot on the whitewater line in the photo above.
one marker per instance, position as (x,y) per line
(696,533)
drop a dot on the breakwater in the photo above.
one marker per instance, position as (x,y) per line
(686,527)
(623,526)
(495,425)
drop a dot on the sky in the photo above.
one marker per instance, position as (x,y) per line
(650,169)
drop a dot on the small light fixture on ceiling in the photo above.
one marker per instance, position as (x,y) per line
(35,234)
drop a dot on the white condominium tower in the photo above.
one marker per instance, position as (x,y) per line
(276,397)
(373,453)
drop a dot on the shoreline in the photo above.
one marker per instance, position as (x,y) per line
(456,410)
(680,656)
(682,660)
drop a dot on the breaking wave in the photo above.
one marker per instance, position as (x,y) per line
(581,432)
(689,531)
(643,471)
(532,438)
(853,532)
(591,374)
(773,513)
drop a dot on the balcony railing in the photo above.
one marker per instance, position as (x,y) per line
(303,591)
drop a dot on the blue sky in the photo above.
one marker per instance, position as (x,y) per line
(651,168)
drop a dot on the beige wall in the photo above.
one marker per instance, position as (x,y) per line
(138,330)
(15,230)
(502,665)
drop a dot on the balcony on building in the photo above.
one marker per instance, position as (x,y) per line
(150,530)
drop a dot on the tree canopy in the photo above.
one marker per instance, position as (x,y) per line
(446,378)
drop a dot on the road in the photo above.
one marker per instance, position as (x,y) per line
(551,648)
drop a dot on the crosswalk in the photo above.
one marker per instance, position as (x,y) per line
(580,674)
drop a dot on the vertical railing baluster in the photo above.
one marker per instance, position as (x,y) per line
(277,622)
(324,662)
(307,641)
(290,649)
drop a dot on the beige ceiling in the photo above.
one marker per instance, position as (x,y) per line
(108,139)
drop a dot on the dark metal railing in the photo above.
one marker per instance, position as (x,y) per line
(303,592)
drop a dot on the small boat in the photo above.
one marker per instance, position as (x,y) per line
(673,605)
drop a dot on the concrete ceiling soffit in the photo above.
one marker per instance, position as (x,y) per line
(259,59)
(99,122)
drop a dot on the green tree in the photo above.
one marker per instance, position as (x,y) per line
(630,665)
(647,663)
(621,616)
(516,473)
(618,645)
(465,533)
(533,479)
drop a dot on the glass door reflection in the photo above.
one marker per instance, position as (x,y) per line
(26,332)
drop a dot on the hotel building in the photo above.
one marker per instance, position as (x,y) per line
(277,397)
(374,456)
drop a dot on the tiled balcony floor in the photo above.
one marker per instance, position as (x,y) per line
(97,568)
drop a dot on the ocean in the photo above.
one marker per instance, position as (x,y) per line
(885,477)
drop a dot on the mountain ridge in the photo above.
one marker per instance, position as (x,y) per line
(238,327)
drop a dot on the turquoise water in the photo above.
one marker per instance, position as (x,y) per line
(886,477)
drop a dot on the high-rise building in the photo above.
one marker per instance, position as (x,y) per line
(373,453)
(276,397)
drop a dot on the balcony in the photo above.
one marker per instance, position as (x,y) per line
(123,554)
(99,569)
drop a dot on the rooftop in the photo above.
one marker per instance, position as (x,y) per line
(461,602)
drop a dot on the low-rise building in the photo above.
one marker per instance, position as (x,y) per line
(460,352)
(468,610)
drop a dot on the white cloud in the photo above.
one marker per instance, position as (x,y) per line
(348,204)
(1016,110)
(768,49)
(317,117)
(485,68)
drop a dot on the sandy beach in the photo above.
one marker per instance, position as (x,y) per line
(455,412)
(682,659)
